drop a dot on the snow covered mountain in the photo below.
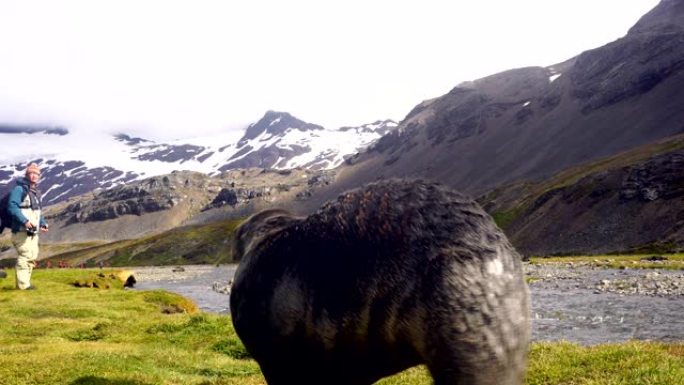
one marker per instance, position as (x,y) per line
(75,164)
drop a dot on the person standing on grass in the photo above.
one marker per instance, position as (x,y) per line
(27,221)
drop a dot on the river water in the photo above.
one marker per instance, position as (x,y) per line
(564,306)
(195,282)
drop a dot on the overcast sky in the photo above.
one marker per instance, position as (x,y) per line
(169,69)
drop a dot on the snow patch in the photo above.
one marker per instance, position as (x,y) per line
(554,77)
(58,196)
(54,186)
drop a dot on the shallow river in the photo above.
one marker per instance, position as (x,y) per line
(564,306)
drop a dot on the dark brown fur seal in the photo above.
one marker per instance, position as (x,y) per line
(388,276)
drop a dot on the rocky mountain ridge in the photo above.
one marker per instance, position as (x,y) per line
(524,127)
(630,202)
(160,203)
(277,141)
(531,123)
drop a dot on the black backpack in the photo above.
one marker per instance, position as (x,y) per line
(5,216)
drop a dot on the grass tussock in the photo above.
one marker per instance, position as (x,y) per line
(170,303)
(100,280)
(68,335)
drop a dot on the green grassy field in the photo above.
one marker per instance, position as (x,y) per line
(672,262)
(60,334)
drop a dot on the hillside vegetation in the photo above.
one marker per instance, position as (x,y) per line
(632,202)
(199,244)
(516,196)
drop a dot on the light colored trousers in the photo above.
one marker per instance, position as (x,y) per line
(27,248)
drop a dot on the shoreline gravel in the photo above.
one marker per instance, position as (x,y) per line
(644,282)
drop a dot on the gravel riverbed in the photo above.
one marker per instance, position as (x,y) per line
(570,301)
(647,282)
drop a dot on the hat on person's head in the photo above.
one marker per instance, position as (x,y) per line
(33,168)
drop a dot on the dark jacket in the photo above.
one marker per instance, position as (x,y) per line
(14,205)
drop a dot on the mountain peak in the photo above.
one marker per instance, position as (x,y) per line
(668,15)
(276,123)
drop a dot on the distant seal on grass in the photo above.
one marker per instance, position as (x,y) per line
(388,276)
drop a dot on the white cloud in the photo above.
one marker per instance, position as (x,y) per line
(168,69)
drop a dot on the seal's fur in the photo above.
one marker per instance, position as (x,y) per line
(388,276)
